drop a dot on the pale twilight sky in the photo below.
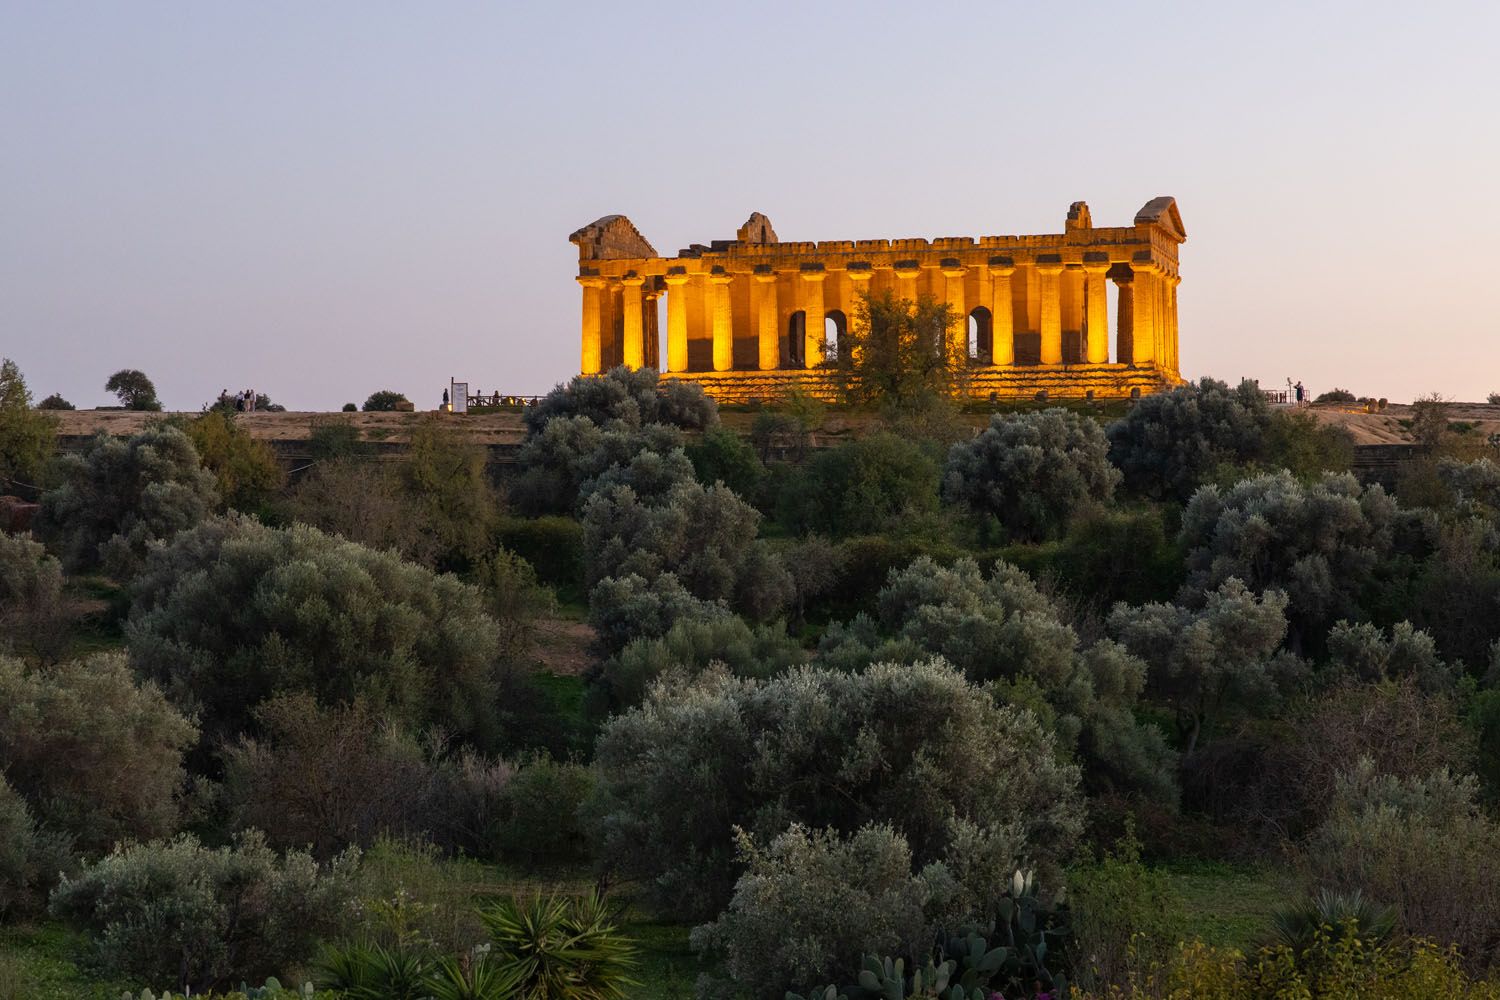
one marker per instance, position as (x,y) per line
(322,199)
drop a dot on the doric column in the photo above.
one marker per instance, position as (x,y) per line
(1096,308)
(814,313)
(677,310)
(858,275)
(653,334)
(1002,312)
(723,325)
(767,318)
(1173,342)
(593,333)
(1144,331)
(907,273)
(1125,320)
(635,327)
(1049,269)
(953,292)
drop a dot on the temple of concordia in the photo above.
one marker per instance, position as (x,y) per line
(749,318)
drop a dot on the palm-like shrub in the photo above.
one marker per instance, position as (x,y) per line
(1336,914)
(554,948)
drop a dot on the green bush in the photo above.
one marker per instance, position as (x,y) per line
(1122,912)
(349,408)
(17,852)
(553,546)
(55,402)
(631,607)
(134,390)
(119,495)
(1109,556)
(363,501)
(383,401)
(96,753)
(202,917)
(33,615)
(722,456)
(572,458)
(810,904)
(456,506)
(1420,845)
(881,484)
(233,612)
(28,437)
(916,747)
(1032,471)
(635,397)
(246,470)
(335,437)
(1170,443)
(540,819)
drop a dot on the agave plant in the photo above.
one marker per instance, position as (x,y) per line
(472,977)
(368,971)
(557,948)
(1336,914)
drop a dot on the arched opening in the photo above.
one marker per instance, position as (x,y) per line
(981,336)
(794,351)
(835,334)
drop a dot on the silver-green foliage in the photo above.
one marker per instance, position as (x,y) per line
(1422,845)
(17,851)
(233,611)
(119,495)
(623,609)
(1171,442)
(691,646)
(202,917)
(914,746)
(1363,652)
(97,752)
(1003,629)
(571,457)
(32,612)
(810,904)
(1321,543)
(1032,471)
(635,397)
(1221,656)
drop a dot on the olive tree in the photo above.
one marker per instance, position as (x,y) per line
(914,746)
(33,615)
(27,436)
(562,464)
(1032,471)
(134,390)
(634,396)
(1324,544)
(1003,630)
(232,612)
(97,753)
(119,495)
(1170,443)
(1204,661)
(881,484)
(1361,651)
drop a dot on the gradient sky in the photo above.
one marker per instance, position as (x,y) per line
(322,199)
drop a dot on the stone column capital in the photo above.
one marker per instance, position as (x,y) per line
(813,275)
(954,272)
(860,275)
(766,278)
(721,278)
(590,281)
(676,279)
(1049,263)
(632,280)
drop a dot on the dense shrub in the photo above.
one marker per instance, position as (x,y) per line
(1170,443)
(632,607)
(561,465)
(27,437)
(553,546)
(1421,845)
(1304,446)
(246,470)
(134,390)
(97,754)
(690,647)
(540,818)
(705,537)
(55,402)
(1362,652)
(916,747)
(1452,594)
(335,437)
(17,852)
(810,905)
(636,397)
(1335,396)
(1032,471)
(1122,912)
(383,401)
(1205,661)
(881,484)
(110,502)
(444,475)
(365,502)
(1323,544)
(722,456)
(325,778)
(200,917)
(233,612)
(1004,630)
(33,615)
(1118,555)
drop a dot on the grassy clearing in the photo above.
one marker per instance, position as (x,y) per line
(1230,905)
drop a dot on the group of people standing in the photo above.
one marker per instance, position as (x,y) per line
(244,400)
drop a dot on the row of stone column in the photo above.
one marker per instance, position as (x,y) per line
(1146,313)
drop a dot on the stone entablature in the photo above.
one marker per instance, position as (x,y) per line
(752,312)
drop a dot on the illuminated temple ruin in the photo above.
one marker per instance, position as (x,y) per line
(748,318)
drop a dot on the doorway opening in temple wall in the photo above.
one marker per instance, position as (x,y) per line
(794,350)
(657,358)
(835,332)
(981,335)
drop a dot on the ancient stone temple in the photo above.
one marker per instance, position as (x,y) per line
(750,317)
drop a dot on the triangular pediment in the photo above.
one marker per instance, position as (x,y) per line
(612,237)
(1163,212)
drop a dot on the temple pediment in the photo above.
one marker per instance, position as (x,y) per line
(612,237)
(1163,212)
